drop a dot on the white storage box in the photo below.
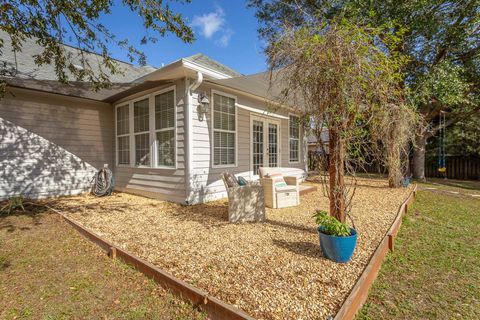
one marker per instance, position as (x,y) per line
(286,197)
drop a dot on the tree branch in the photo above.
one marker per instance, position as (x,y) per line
(459,117)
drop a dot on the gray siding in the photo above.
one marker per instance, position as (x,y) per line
(163,184)
(207,181)
(51,145)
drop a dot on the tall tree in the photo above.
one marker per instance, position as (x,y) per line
(441,39)
(54,22)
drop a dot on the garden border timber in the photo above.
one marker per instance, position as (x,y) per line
(215,308)
(359,293)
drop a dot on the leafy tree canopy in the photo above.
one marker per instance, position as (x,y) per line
(54,22)
(461,139)
(441,40)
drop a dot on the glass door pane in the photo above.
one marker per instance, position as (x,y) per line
(272,145)
(257,146)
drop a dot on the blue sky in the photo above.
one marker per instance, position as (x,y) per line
(225,30)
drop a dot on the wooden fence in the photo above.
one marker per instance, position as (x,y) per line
(458,167)
(313,159)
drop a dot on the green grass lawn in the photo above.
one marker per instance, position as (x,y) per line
(48,271)
(464,186)
(434,272)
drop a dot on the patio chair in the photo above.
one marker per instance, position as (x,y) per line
(245,203)
(280,191)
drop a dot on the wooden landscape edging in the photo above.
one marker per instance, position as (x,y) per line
(215,308)
(359,293)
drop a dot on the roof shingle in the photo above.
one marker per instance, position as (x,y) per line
(208,62)
(22,65)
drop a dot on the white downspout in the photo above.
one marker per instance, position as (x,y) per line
(197,82)
(190,88)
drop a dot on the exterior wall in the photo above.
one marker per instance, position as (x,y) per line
(51,145)
(162,184)
(206,180)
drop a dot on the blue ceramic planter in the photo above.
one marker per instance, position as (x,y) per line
(338,249)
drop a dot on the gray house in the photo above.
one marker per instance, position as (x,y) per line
(166,133)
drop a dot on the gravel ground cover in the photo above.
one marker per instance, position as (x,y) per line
(271,270)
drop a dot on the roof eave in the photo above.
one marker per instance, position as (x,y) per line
(162,73)
(251,95)
(205,70)
(182,68)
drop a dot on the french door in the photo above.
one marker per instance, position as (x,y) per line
(265,144)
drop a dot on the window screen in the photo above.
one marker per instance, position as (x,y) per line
(294,138)
(224,124)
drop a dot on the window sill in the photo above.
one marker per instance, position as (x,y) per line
(224,166)
(145,167)
(164,168)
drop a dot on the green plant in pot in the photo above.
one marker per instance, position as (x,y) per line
(337,240)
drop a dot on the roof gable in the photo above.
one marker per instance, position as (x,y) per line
(208,62)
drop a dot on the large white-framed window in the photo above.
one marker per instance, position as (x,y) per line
(165,128)
(224,117)
(294,138)
(146,130)
(122,117)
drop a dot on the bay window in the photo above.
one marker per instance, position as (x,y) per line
(145,131)
(141,131)
(165,129)
(123,135)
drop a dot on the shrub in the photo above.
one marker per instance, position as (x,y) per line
(12,204)
(330,225)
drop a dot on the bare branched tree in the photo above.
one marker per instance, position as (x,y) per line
(394,131)
(340,74)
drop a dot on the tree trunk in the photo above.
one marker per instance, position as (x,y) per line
(419,156)
(394,166)
(336,170)
(394,161)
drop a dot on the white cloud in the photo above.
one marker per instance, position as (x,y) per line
(209,23)
(213,24)
(225,38)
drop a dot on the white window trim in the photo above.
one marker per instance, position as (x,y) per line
(266,121)
(152,131)
(122,135)
(212,137)
(299,138)
(165,129)
(264,113)
(132,162)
